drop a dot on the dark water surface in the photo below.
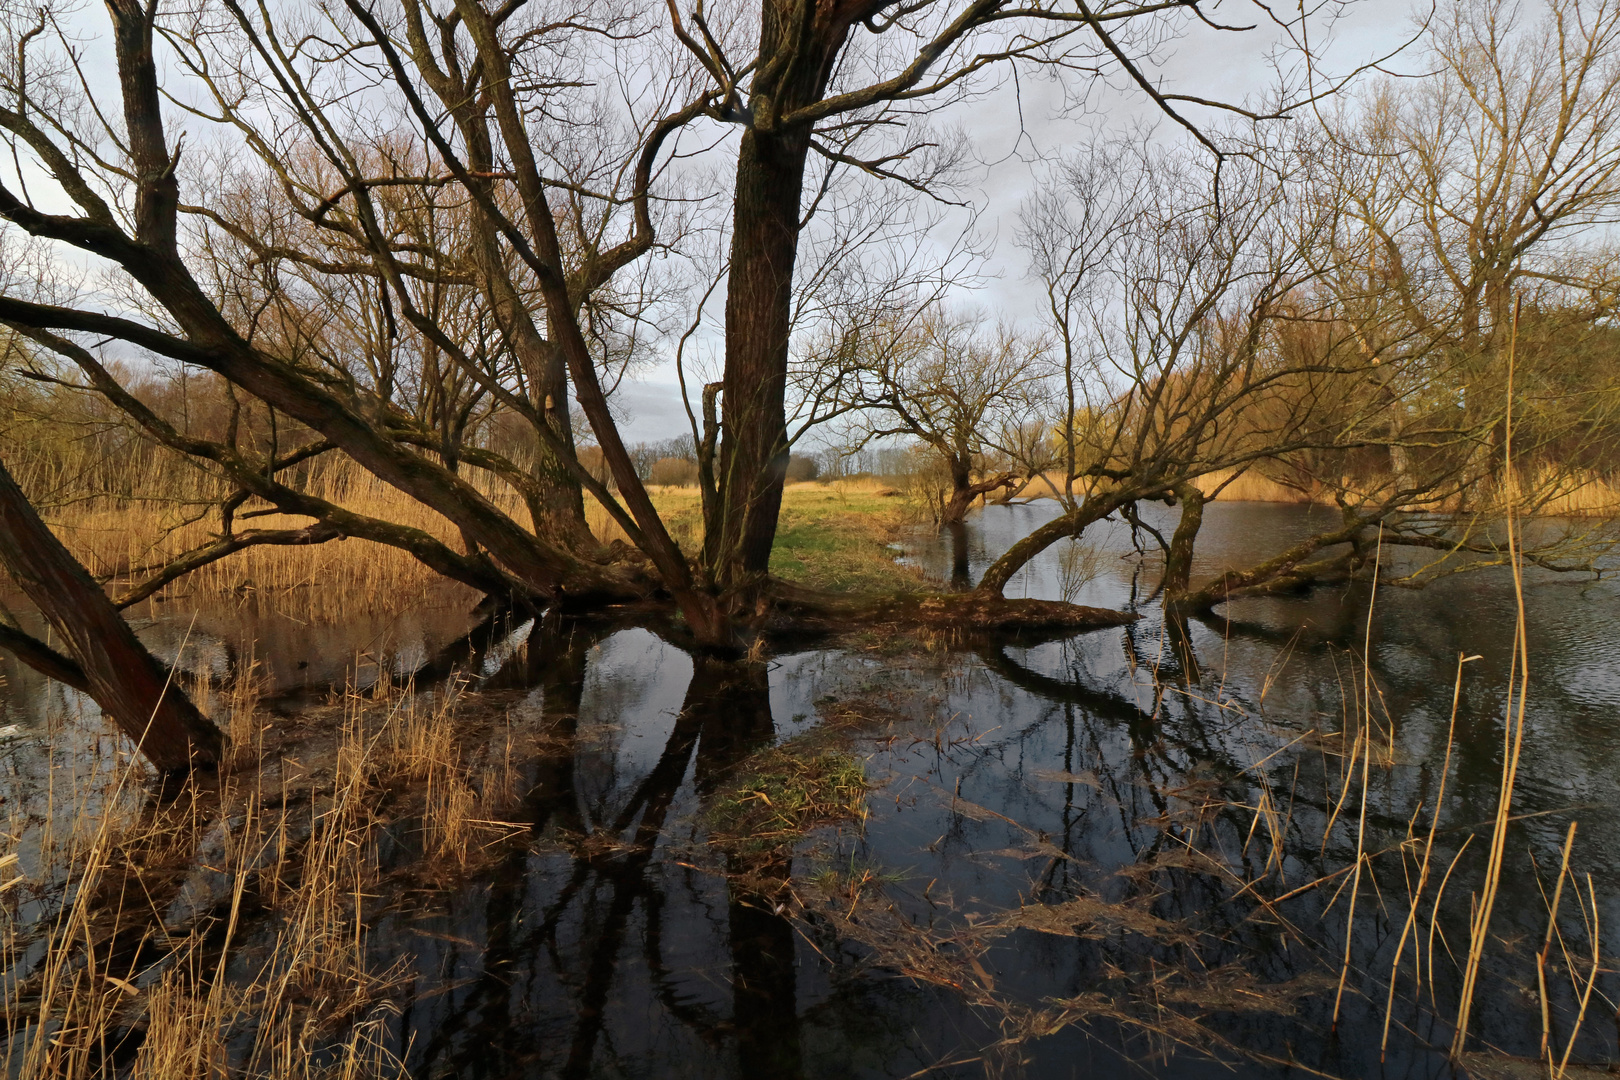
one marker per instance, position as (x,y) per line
(1145,794)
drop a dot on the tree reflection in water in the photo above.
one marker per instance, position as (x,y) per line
(1116,774)
(575,964)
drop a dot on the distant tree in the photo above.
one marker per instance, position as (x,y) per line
(963,388)
(801,468)
(673,472)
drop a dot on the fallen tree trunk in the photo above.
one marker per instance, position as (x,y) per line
(122,677)
(1285,572)
(796,608)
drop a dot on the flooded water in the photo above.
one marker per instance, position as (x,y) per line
(1079,857)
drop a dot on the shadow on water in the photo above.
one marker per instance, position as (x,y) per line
(1126,850)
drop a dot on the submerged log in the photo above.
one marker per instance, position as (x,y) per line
(126,680)
(797,608)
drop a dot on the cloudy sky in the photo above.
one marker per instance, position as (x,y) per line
(1013,128)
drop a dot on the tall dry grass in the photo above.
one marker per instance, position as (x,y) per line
(122,520)
(119,539)
(227,933)
(124,505)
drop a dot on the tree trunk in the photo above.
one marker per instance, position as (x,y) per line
(753,442)
(964,491)
(556,504)
(1072,523)
(120,675)
(1284,572)
(799,41)
(557,511)
(1178,560)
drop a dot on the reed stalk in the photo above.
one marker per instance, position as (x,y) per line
(1512,736)
(1364,743)
(1423,872)
(1591,978)
(1546,945)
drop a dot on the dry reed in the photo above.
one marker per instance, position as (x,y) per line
(1512,735)
(147,950)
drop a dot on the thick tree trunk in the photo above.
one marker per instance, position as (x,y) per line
(555,502)
(129,684)
(557,508)
(1177,573)
(964,491)
(753,451)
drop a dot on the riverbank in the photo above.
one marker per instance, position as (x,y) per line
(1557,496)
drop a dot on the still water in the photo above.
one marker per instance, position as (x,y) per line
(1080,857)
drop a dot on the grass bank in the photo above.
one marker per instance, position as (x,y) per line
(832,537)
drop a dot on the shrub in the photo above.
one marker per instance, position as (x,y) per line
(802,468)
(673,472)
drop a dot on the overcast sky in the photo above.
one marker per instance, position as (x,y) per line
(1013,128)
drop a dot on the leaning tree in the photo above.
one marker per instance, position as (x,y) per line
(1404,312)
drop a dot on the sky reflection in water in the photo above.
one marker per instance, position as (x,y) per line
(1104,766)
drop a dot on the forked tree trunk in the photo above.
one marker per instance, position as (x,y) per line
(120,675)
(964,491)
(557,510)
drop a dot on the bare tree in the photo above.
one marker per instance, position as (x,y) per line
(1471,268)
(1168,275)
(966,390)
(1344,324)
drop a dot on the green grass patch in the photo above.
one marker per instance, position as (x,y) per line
(837,541)
(780,794)
(833,537)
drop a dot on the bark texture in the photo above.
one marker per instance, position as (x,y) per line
(126,680)
(753,449)
(1178,559)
